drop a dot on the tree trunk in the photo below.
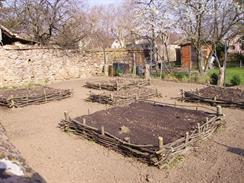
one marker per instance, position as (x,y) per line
(221,80)
(222,70)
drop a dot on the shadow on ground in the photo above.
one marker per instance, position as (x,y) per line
(234,150)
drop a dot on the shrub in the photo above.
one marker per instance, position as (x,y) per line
(214,79)
(181,75)
(236,80)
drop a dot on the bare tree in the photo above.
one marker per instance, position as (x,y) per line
(225,23)
(153,22)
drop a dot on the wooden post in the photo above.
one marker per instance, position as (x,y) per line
(206,119)
(187,137)
(219,111)
(127,139)
(45,94)
(106,66)
(102,130)
(182,93)
(83,121)
(198,127)
(134,64)
(66,116)
(160,143)
(12,101)
(147,72)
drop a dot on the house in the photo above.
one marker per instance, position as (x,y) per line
(8,38)
(118,44)
(236,45)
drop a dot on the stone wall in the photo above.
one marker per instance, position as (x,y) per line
(20,66)
(110,56)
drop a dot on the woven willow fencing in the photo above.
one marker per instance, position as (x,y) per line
(226,97)
(36,95)
(116,84)
(153,155)
(125,96)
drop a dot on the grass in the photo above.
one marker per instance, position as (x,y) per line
(230,72)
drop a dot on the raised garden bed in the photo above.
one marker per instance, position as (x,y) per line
(116,84)
(226,97)
(122,97)
(152,132)
(29,96)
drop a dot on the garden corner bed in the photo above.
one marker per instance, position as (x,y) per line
(213,95)
(152,132)
(123,97)
(28,96)
(116,84)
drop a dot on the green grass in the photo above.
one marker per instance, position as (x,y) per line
(230,72)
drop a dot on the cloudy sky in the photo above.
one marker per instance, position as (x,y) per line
(103,2)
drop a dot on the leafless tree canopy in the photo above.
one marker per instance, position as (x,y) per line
(70,23)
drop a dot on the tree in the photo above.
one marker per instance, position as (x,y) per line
(152,21)
(225,23)
(208,21)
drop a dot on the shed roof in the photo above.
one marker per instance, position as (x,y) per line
(14,37)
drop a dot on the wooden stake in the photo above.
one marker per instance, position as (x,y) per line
(187,137)
(206,119)
(66,116)
(219,111)
(198,127)
(160,143)
(102,130)
(127,139)
(45,95)
(83,121)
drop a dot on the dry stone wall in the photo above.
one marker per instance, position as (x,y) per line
(37,65)
(44,65)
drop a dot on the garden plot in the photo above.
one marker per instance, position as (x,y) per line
(152,132)
(122,97)
(226,97)
(28,96)
(116,84)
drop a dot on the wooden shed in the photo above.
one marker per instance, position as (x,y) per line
(189,57)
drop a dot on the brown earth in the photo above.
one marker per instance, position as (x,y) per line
(63,158)
(227,94)
(146,122)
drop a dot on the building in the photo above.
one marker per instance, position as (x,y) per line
(8,38)
(189,56)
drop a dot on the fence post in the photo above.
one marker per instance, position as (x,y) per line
(160,143)
(219,111)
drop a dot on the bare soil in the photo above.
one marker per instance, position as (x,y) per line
(22,97)
(62,158)
(227,94)
(145,122)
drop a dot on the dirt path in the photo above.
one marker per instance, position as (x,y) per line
(63,158)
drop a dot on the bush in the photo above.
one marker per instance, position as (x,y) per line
(214,79)
(181,75)
(236,80)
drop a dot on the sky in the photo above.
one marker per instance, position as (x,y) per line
(103,2)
